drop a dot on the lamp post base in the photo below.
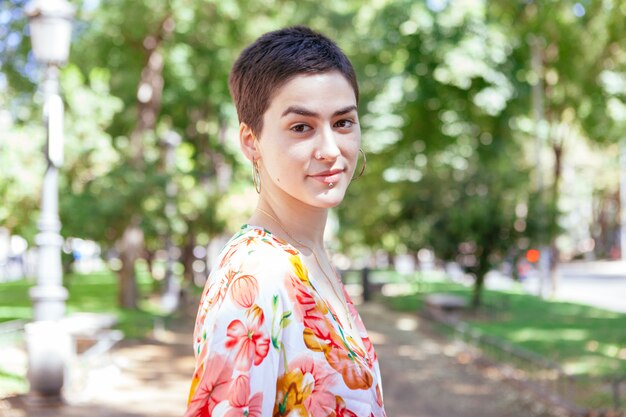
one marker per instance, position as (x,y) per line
(48,302)
(49,348)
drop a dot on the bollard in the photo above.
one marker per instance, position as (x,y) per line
(365,282)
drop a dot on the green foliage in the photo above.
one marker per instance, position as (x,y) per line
(446,99)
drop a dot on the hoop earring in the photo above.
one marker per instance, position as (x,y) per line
(256,177)
(362,168)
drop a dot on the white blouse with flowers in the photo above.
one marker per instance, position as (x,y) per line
(267,343)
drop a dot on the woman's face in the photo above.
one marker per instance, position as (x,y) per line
(310,140)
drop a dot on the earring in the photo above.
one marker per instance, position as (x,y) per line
(256,177)
(363,167)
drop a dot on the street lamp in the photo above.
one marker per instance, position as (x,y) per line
(50,23)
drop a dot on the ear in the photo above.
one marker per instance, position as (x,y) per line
(248,142)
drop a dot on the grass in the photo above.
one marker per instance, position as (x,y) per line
(96,292)
(584,340)
(12,383)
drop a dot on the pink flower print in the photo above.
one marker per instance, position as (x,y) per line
(251,344)
(371,353)
(379,396)
(341,410)
(309,311)
(209,386)
(242,405)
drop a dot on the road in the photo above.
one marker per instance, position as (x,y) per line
(599,284)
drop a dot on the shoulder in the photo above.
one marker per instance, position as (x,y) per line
(248,276)
(254,249)
(257,256)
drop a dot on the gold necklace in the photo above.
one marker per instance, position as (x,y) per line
(332,287)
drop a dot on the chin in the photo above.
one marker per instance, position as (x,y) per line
(330,199)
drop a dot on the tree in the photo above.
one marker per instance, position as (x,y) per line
(448,174)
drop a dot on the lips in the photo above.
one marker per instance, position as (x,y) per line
(329,176)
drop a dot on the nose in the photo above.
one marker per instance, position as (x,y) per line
(327,148)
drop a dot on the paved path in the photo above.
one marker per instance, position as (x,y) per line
(598,284)
(422,377)
(135,380)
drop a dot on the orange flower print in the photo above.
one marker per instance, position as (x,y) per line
(315,343)
(242,405)
(244,290)
(298,267)
(255,314)
(341,410)
(319,379)
(291,392)
(301,362)
(209,386)
(251,344)
(235,247)
(229,254)
(222,288)
(354,374)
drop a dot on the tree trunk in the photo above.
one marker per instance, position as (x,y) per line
(556,191)
(479,282)
(150,257)
(187,258)
(130,248)
(477,290)
(149,93)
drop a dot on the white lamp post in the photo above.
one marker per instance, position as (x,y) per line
(50,23)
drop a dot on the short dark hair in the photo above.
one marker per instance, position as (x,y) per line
(274,59)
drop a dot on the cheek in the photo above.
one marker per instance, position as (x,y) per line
(286,166)
(352,150)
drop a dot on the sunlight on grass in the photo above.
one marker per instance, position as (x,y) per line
(95,292)
(11,383)
(586,339)
(532,334)
(15,313)
(590,365)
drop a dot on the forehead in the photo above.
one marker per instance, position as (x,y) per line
(327,89)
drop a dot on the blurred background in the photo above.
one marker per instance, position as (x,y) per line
(490,211)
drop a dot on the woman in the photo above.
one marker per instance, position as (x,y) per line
(276,333)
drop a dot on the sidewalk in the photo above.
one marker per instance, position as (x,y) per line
(422,377)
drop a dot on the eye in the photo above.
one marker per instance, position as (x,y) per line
(344,123)
(300,128)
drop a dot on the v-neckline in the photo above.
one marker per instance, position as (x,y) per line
(355,332)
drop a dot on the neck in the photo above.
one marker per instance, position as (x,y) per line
(302,223)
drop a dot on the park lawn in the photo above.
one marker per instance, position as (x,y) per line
(584,340)
(96,292)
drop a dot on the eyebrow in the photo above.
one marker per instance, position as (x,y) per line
(308,113)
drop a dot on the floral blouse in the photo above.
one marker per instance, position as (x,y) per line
(267,344)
